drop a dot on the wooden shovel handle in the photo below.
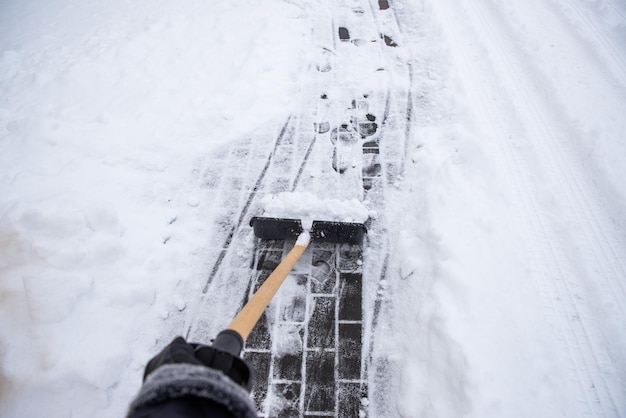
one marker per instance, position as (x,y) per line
(249,315)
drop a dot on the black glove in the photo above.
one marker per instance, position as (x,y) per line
(178,351)
(198,381)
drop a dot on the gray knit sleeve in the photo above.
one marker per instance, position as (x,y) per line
(177,380)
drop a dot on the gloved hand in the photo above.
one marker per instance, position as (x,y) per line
(219,388)
(178,351)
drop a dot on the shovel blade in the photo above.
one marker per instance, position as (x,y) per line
(276,228)
(338,232)
(321,231)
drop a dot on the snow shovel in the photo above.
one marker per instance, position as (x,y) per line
(230,341)
(280,229)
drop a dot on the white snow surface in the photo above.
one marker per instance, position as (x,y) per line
(507,272)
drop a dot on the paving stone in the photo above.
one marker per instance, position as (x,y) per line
(260,363)
(293,309)
(349,351)
(288,367)
(287,351)
(269,259)
(350,292)
(286,398)
(350,259)
(320,381)
(321,327)
(259,338)
(350,395)
(323,273)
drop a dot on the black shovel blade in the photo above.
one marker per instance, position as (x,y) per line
(276,228)
(338,232)
(321,231)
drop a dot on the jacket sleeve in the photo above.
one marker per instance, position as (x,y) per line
(189,391)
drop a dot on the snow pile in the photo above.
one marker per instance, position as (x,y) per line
(106,113)
(308,208)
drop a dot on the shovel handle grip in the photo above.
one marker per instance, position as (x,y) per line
(249,315)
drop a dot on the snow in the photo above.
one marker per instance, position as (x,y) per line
(107,112)
(506,229)
(308,208)
(304,239)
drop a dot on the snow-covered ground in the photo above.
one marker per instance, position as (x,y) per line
(506,285)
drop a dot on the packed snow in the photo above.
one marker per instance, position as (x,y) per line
(507,268)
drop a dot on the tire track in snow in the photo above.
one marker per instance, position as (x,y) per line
(600,243)
(600,45)
(548,141)
(235,191)
(244,210)
(574,320)
(596,231)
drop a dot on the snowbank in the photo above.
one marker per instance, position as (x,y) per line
(107,110)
